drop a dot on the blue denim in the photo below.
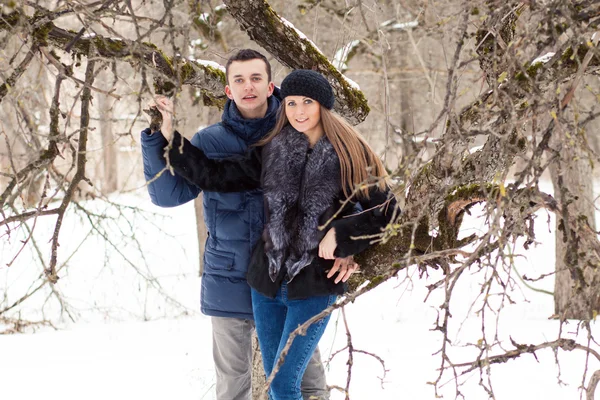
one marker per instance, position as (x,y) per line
(275,320)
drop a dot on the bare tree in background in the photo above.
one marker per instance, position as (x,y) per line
(485,86)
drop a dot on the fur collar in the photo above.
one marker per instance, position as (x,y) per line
(299,186)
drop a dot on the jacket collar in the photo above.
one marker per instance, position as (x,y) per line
(251,130)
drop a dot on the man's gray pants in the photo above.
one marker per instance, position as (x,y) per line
(232,353)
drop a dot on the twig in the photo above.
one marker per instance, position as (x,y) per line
(64,72)
(350,347)
(591,389)
(81,162)
(12,79)
(586,60)
(564,344)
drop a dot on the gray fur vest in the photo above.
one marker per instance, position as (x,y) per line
(299,187)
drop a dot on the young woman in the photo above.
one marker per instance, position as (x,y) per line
(308,166)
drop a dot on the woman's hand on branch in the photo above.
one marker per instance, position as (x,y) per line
(345,267)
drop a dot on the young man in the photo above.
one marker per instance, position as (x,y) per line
(234,220)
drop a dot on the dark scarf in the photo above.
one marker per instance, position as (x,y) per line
(251,130)
(299,187)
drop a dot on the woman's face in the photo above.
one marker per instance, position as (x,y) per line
(304,114)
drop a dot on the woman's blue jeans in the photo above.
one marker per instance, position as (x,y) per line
(275,320)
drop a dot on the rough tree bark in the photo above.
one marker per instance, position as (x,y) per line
(577,282)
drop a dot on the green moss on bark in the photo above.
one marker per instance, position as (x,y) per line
(109,46)
(10,20)
(40,34)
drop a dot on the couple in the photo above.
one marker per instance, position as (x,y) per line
(278,167)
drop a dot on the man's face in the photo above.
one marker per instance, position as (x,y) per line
(249,87)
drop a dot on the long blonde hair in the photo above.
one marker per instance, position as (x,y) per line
(358,162)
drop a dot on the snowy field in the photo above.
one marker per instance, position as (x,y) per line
(138,334)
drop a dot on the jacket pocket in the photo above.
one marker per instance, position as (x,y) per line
(218,260)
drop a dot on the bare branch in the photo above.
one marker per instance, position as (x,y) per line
(81,163)
(12,79)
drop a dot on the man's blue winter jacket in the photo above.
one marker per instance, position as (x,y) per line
(234,220)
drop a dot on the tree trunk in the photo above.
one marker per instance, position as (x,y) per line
(258,373)
(201,230)
(207,116)
(576,294)
(110,162)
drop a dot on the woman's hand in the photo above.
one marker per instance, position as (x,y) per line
(345,266)
(328,245)
(165,106)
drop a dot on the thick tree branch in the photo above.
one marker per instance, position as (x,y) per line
(435,251)
(435,180)
(209,78)
(293,49)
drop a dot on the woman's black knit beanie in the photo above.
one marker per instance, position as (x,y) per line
(304,82)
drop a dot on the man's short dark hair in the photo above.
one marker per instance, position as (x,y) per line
(246,55)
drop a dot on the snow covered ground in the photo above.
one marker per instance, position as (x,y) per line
(136,337)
